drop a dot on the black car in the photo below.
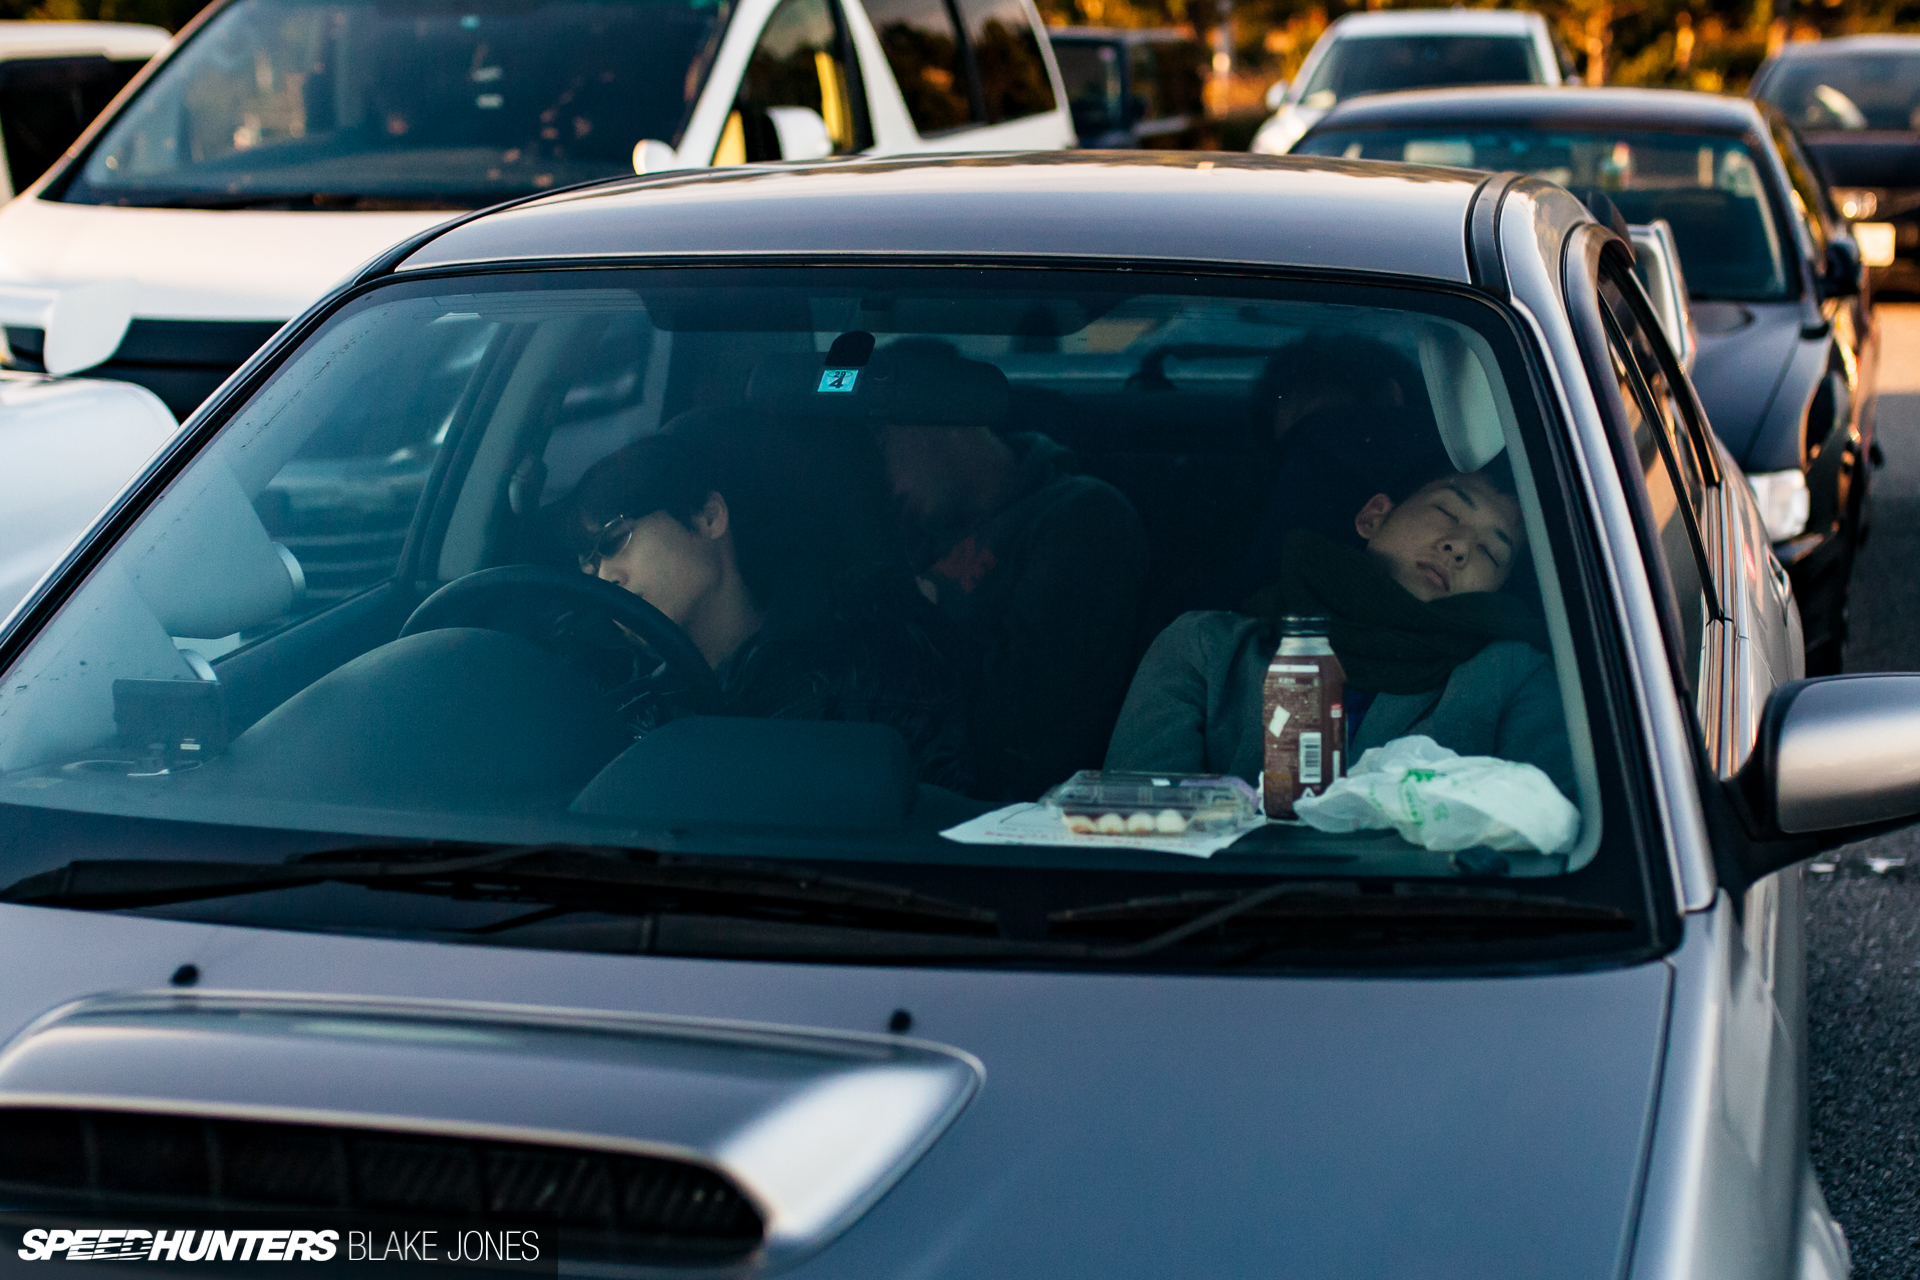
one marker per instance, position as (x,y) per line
(1856,101)
(1785,368)
(1134,88)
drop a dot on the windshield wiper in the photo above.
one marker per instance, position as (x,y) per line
(1325,907)
(579,877)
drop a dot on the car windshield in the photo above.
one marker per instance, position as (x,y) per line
(1358,65)
(1710,189)
(1848,91)
(1129,585)
(420,103)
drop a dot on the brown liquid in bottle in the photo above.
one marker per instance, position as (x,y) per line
(1302,716)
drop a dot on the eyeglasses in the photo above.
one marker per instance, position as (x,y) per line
(612,539)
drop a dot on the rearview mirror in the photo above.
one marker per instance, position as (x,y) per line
(1276,95)
(650,155)
(1838,759)
(802,133)
(81,324)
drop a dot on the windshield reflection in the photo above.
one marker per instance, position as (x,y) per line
(366,105)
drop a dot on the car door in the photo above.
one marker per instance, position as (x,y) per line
(1733,636)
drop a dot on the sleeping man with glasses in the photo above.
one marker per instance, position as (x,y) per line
(700,537)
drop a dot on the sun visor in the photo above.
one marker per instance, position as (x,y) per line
(211,569)
(905,388)
(1464,404)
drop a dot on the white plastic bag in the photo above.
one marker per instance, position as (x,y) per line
(1442,800)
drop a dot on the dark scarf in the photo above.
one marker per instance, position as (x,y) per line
(1387,639)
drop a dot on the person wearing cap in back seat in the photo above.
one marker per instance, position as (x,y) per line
(1429,641)
(1040,567)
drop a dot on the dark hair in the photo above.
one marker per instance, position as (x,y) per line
(1497,473)
(665,473)
(1362,367)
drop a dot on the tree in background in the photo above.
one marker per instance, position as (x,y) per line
(1714,45)
(171,14)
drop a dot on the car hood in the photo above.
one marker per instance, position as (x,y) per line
(1744,351)
(198,264)
(1126,1126)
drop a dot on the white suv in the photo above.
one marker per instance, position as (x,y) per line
(281,143)
(1366,53)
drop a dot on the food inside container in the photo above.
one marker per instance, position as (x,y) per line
(1094,802)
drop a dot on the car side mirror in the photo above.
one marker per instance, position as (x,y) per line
(1276,95)
(1841,278)
(802,133)
(1838,759)
(81,325)
(650,155)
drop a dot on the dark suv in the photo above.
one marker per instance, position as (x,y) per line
(1134,88)
(1856,102)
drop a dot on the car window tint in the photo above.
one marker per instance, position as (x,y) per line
(1675,492)
(1007,58)
(1710,189)
(1093,75)
(1358,65)
(802,59)
(923,48)
(46,102)
(1844,92)
(1145,77)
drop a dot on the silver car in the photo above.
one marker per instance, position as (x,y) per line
(1260,736)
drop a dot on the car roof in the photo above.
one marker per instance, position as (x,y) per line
(1169,206)
(109,39)
(1395,22)
(1849,44)
(1616,108)
(1124,35)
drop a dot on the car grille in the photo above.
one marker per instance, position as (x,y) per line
(644,1208)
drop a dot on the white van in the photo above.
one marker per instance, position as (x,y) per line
(1377,52)
(281,143)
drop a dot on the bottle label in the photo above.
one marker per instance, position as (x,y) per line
(1305,723)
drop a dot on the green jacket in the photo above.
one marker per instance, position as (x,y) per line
(1195,705)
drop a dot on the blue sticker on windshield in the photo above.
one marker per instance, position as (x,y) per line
(837,380)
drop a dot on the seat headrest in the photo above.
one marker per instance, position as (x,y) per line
(903,388)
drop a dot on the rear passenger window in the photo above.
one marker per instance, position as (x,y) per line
(922,45)
(1006,54)
(803,59)
(1676,490)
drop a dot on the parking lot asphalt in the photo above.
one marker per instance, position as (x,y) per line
(1864,900)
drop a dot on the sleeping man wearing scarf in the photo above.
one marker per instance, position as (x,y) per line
(1429,642)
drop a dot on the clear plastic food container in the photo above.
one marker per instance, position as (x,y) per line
(1098,802)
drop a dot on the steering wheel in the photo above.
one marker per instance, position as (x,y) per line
(468,601)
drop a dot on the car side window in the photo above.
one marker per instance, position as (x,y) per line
(1676,490)
(803,59)
(1808,191)
(1011,71)
(1146,104)
(922,43)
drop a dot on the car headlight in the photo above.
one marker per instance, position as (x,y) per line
(1784,502)
(1856,203)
